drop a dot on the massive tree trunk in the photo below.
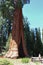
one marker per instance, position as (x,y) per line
(17,43)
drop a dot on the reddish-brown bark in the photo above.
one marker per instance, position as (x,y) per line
(17,35)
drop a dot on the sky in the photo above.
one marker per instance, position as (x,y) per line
(34,13)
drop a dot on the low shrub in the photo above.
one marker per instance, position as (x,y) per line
(37,63)
(25,60)
(5,62)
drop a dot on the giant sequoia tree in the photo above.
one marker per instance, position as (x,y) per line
(17,27)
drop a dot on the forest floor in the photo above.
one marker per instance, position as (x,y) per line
(19,62)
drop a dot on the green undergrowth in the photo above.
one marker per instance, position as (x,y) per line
(25,60)
(8,61)
(37,63)
(5,62)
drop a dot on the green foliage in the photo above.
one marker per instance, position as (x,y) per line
(27,36)
(5,62)
(8,42)
(37,63)
(32,42)
(6,13)
(7,8)
(25,60)
(33,39)
(38,43)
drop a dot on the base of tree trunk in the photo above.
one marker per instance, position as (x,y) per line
(13,50)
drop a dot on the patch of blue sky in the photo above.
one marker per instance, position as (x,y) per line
(34,13)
